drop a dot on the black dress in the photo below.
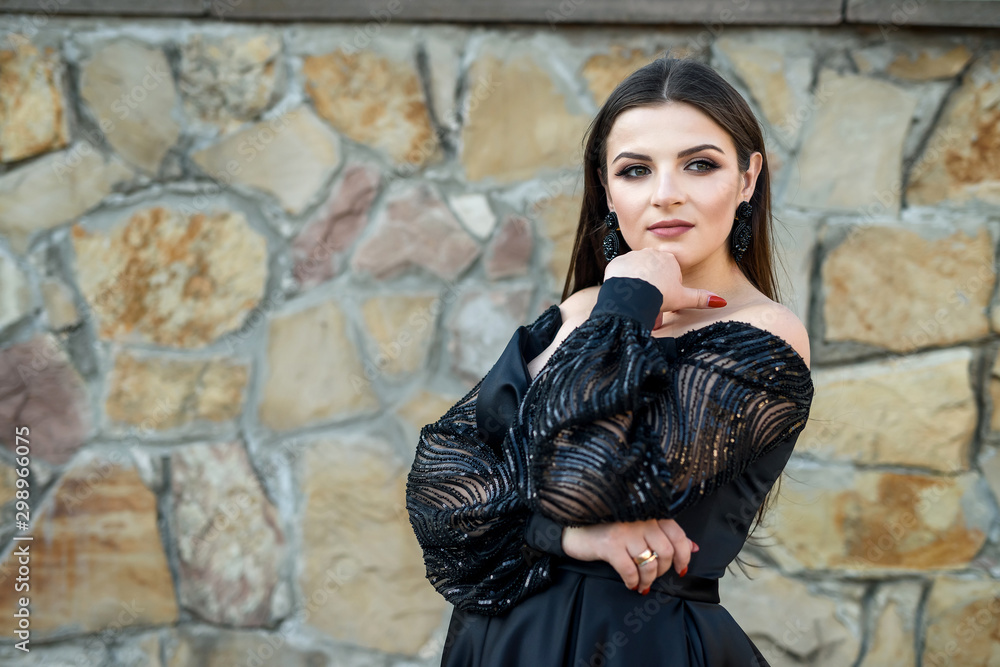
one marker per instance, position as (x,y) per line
(618,425)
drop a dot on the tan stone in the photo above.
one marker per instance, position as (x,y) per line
(230,80)
(890,287)
(402,327)
(918,61)
(81,176)
(289,156)
(866,520)
(356,505)
(97,562)
(851,155)
(59,305)
(424,408)
(894,632)
(230,544)
(216,647)
(930,63)
(161,394)
(778,80)
(171,279)
(916,411)
(130,90)
(374,100)
(15,296)
(298,390)
(604,71)
(8,483)
(560,220)
(962,159)
(518,122)
(32,104)
(799,623)
(960,622)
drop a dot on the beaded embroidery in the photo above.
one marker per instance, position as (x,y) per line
(617,426)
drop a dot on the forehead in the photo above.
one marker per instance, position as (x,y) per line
(667,128)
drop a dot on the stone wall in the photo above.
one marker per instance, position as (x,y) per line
(242,264)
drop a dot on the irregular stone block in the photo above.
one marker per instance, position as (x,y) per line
(960,162)
(298,391)
(81,176)
(171,279)
(917,411)
(852,152)
(863,520)
(289,156)
(40,389)
(161,394)
(929,292)
(130,90)
(97,563)
(32,102)
(434,240)
(229,539)
(362,567)
(374,100)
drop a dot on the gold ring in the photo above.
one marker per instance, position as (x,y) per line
(646,556)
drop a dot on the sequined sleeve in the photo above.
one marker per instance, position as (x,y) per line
(465,501)
(613,430)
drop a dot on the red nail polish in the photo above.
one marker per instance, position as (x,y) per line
(684,571)
(716,301)
(646,592)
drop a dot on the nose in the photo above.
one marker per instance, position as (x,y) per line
(668,190)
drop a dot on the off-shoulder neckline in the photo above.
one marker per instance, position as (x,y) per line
(747,325)
(557,313)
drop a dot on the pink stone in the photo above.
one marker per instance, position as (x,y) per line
(318,250)
(509,253)
(417,230)
(40,389)
(230,543)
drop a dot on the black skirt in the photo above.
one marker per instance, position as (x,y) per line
(588,618)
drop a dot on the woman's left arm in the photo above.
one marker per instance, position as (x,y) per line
(616,431)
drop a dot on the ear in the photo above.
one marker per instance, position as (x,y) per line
(750,175)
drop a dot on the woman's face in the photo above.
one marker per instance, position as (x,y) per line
(672,162)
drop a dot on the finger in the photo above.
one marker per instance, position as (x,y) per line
(647,572)
(626,568)
(700,298)
(682,545)
(660,543)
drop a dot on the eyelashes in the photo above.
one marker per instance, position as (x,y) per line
(710,166)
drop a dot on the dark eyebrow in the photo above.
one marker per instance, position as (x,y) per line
(683,153)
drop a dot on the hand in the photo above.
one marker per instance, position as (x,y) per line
(659,267)
(618,543)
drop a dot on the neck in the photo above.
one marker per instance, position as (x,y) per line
(718,273)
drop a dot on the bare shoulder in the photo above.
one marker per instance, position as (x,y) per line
(578,305)
(779,320)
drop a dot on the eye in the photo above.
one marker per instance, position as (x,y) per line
(709,165)
(626,172)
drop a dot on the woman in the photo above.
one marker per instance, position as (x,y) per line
(631,433)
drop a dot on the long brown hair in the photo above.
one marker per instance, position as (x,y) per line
(670,79)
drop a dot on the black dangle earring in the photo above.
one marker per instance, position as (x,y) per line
(740,237)
(611,246)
